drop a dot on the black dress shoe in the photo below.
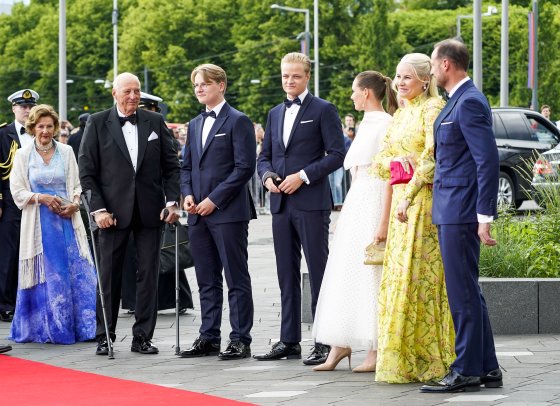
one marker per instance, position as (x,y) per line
(201,348)
(453,382)
(235,350)
(143,346)
(318,355)
(5,348)
(281,350)
(102,347)
(492,379)
(6,316)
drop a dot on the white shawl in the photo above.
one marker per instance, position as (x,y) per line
(31,271)
(368,140)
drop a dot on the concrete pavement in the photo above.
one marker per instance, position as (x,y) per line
(532,363)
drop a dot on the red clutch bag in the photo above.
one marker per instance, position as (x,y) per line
(399,175)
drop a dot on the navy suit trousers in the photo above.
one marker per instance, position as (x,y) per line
(293,230)
(474,343)
(216,247)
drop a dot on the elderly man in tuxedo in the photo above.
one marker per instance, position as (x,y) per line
(303,144)
(128,160)
(465,192)
(219,161)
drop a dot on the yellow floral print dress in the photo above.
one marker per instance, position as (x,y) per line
(416,336)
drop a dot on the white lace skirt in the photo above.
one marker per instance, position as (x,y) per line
(346,314)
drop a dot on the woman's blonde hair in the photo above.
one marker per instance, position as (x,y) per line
(421,66)
(36,113)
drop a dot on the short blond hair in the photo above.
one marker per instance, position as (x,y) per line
(212,72)
(298,57)
(36,113)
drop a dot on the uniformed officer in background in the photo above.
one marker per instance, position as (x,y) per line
(12,137)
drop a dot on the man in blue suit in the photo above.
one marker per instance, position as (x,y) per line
(303,143)
(219,161)
(465,191)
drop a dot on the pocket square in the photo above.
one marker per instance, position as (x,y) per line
(153,136)
(220,135)
(306,121)
(447,123)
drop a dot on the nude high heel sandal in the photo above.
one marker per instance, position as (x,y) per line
(330,366)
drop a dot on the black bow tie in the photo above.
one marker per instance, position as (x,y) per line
(131,118)
(22,131)
(289,102)
(208,114)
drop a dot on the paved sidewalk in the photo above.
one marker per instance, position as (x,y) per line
(532,362)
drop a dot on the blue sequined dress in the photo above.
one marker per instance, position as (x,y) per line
(61,309)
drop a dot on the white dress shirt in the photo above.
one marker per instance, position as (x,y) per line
(130,132)
(24,139)
(290,117)
(209,121)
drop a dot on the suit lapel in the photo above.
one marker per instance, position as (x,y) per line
(218,123)
(305,103)
(143,127)
(448,107)
(12,133)
(281,114)
(115,129)
(196,133)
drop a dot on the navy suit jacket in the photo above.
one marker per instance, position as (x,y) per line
(9,140)
(467,163)
(316,145)
(222,169)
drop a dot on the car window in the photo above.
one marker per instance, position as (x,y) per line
(516,124)
(540,130)
(498,126)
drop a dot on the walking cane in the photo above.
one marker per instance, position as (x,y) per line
(177,304)
(86,197)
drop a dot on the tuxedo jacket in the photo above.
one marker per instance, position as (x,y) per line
(316,145)
(106,168)
(467,163)
(222,168)
(9,143)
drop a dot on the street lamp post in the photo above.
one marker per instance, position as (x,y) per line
(298,10)
(62,106)
(115,22)
(307,35)
(477,38)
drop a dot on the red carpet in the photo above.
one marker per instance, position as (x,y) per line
(25,383)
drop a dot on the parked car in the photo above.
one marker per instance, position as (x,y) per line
(520,135)
(546,183)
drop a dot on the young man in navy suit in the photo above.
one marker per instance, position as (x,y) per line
(219,161)
(465,191)
(303,144)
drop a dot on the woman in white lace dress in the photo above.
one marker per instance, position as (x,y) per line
(346,314)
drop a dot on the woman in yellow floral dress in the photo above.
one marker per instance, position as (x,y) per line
(416,336)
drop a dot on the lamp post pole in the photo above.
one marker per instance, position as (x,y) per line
(115,21)
(62,103)
(307,35)
(504,65)
(316,44)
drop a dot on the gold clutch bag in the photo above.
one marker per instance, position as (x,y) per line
(374,254)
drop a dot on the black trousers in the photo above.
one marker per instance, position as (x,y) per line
(9,246)
(112,247)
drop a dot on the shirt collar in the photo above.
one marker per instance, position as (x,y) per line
(217,108)
(302,96)
(457,86)
(18,127)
